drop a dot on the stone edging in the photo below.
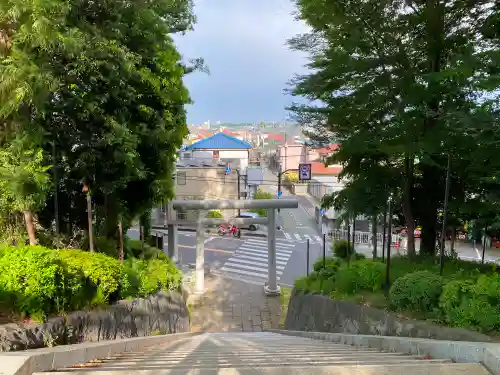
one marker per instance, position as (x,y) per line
(487,354)
(48,359)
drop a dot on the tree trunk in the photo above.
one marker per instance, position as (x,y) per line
(374,236)
(407,205)
(90,225)
(431,184)
(452,239)
(120,234)
(30,227)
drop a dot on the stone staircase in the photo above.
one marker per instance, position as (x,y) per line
(238,353)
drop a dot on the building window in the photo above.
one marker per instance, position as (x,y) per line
(181,178)
(216,154)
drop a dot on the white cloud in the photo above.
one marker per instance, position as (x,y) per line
(243,43)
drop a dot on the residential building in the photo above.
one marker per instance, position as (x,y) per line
(198,179)
(220,147)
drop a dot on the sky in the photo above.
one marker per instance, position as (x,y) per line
(243,43)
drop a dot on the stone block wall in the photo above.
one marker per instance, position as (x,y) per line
(318,313)
(155,315)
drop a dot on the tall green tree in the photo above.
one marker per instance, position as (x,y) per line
(103,81)
(24,183)
(396,78)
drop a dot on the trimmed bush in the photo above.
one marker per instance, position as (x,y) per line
(36,282)
(469,304)
(105,272)
(213,214)
(417,291)
(363,275)
(133,249)
(148,277)
(342,249)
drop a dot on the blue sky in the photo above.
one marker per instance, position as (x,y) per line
(243,44)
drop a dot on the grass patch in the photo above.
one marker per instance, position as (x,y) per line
(284,299)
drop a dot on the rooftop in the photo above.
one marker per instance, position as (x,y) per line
(220,141)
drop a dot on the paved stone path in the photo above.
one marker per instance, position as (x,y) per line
(230,305)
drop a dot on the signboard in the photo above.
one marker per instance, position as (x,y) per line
(280,193)
(228,170)
(304,172)
(322,212)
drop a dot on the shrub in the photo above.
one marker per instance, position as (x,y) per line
(342,249)
(213,214)
(108,246)
(105,272)
(469,304)
(148,277)
(365,275)
(330,269)
(417,291)
(133,249)
(36,282)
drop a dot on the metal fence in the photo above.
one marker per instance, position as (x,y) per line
(363,238)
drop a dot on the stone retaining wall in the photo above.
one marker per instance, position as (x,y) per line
(155,315)
(311,312)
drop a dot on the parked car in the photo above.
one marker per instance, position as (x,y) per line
(248,215)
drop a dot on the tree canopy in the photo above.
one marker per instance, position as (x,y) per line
(401,85)
(97,89)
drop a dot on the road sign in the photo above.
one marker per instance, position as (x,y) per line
(304,172)
(280,193)
(322,212)
(228,170)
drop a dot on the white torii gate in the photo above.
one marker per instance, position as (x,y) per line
(271,287)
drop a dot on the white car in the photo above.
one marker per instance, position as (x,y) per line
(249,215)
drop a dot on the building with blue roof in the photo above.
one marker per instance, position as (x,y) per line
(221,147)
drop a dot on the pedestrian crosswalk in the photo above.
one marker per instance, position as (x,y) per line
(296,237)
(250,260)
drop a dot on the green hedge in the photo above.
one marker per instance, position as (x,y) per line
(468,296)
(37,282)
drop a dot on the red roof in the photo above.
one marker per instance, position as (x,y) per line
(203,133)
(230,133)
(275,137)
(319,168)
(328,149)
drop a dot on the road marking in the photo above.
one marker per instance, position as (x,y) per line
(318,238)
(265,243)
(478,254)
(297,236)
(251,259)
(307,237)
(208,249)
(287,235)
(208,240)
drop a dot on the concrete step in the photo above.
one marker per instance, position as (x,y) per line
(263,353)
(421,368)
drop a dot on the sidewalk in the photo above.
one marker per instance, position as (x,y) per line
(232,305)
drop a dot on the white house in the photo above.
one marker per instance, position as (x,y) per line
(222,147)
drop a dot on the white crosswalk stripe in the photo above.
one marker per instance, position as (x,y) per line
(250,260)
(297,237)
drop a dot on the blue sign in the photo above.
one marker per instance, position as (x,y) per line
(228,170)
(322,212)
(280,193)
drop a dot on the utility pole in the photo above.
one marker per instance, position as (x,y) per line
(238,189)
(389,241)
(279,182)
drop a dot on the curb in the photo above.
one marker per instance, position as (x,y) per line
(487,354)
(49,359)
